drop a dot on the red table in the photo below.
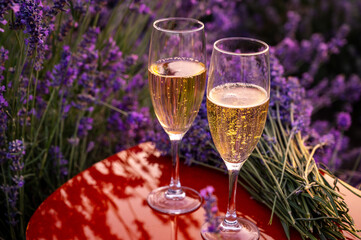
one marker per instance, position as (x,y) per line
(108,201)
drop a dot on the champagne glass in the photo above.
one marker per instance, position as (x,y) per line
(177,80)
(238,93)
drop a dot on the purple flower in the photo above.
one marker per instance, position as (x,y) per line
(3,115)
(65,28)
(343,121)
(16,151)
(329,154)
(87,49)
(85,69)
(197,144)
(339,40)
(135,127)
(59,6)
(112,73)
(97,5)
(74,141)
(32,18)
(5,6)
(327,139)
(292,23)
(19,181)
(90,146)
(64,73)
(338,86)
(131,60)
(211,209)
(136,83)
(4,55)
(59,160)
(3,102)
(85,125)
(144,9)
(12,193)
(140,6)
(270,140)
(321,127)
(353,89)
(16,148)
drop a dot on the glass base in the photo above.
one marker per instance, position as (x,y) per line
(248,231)
(189,201)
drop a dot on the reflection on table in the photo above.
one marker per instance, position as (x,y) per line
(108,201)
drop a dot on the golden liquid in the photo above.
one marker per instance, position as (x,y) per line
(236,115)
(176,88)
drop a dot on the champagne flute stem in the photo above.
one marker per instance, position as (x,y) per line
(174,228)
(230,221)
(174,182)
(175,190)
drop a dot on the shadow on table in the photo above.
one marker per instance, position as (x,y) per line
(108,201)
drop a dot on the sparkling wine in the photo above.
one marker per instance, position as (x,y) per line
(176,88)
(237,113)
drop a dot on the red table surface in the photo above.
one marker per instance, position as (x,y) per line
(108,201)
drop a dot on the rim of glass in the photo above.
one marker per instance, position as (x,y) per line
(266,49)
(178,19)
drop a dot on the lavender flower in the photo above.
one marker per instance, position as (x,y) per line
(59,160)
(85,68)
(343,121)
(200,136)
(112,71)
(97,5)
(12,193)
(352,91)
(210,206)
(5,6)
(3,103)
(80,6)
(339,40)
(74,141)
(90,146)
(16,151)
(338,86)
(64,73)
(85,125)
(59,6)
(65,28)
(137,124)
(19,181)
(31,17)
(139,6)
(197,144)
(334,142)
(15,154)
(292,23)
(224,14)
(4,55)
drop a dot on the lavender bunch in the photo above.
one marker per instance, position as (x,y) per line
(291,183)
(70,89)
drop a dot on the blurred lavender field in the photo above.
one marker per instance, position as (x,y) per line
(73,85)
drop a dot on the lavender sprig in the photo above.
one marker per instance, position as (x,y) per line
(211,209)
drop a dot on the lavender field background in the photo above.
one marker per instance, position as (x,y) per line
(73,85)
